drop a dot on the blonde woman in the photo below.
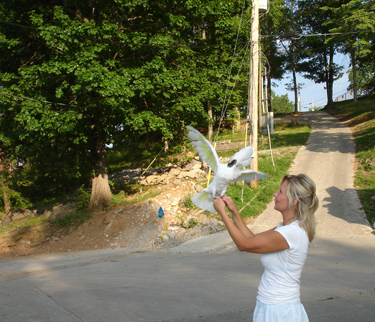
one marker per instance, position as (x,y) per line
(283,248)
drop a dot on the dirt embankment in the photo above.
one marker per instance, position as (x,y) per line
(132,225)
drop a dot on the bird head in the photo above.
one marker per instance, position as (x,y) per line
(232,163)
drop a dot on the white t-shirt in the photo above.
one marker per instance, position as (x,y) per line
(282,270)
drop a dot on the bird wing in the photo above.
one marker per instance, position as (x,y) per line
(250,175)
(204,148)
(204,200)
(243,156)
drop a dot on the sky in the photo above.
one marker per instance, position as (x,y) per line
(316,92)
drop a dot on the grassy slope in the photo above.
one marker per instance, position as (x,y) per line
(285,136)
(360,117)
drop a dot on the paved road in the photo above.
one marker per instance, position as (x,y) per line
(207,280)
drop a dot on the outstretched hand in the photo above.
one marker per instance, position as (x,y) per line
(221,202)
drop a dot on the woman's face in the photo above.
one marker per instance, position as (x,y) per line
(281,198)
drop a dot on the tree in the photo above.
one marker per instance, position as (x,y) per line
(353,23)
(274,59)
(292,45)
(318,64)
(281,104)
(79,75)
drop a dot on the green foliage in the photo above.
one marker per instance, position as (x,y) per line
(285,135)
(192,223)
(188,202)
(16,198)
(355,37)
(73,220)
(112,77)
(317,62)
(83,198)
(75,78)
(182,218)
(251,202)
(226,134)
(281,104)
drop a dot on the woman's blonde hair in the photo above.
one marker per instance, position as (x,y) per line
(303,189)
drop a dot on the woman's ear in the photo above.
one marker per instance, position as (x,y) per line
(295,202)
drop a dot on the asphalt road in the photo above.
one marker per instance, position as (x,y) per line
(207,279)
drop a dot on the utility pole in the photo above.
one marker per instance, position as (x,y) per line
(253,85)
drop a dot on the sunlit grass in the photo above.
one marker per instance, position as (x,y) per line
(285,135)
(261,196)
(28,223)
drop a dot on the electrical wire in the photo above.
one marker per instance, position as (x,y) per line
(224,108)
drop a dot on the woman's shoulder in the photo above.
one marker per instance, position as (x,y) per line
(293,233)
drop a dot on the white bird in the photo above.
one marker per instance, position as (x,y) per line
(224,173)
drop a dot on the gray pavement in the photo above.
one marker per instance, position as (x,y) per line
(207,279)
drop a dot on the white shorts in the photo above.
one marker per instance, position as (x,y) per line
(288,311)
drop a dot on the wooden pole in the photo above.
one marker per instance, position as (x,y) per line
(253,84)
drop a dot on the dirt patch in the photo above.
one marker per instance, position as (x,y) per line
(132,226)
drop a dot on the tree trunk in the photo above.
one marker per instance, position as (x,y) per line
(294,79)
(7,202)
(166,145)
(101,194)
(210,124)
(269,93)
(354,70)
(4,185)
(330,78)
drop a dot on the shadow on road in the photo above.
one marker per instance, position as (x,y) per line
(344,204)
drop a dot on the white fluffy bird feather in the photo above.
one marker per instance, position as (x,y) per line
(224,173)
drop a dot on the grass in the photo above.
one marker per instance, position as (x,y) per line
(252,201)
(285,135)
(75,219)
(31,222)
(141,155)
(120,158)
(361,116)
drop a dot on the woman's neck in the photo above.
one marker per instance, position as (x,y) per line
(289,221)
(289,217)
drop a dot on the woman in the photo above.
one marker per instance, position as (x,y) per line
(283,248)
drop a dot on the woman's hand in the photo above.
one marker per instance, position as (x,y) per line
(219,205)
(229,203)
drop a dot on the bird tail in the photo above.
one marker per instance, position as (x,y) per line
(204,200)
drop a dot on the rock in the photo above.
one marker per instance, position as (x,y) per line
(18,215)
(193,164)
(169,174)
(61,210)
(197,166)
(151,179)
(371,163)
(174,172)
